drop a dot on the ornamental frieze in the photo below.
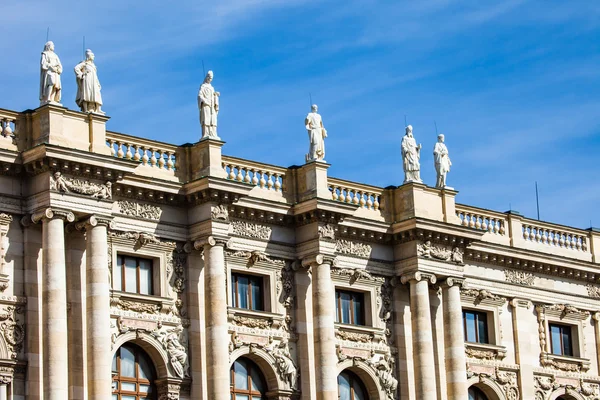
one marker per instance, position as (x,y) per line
(354,336)
(251,230)
(60,183)
(356,274)
(349,247)
(135,306)
(519,277)
(135,209)
(254,256)
(443,253)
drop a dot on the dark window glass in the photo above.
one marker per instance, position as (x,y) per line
(350,387)
(247,291)
(133,374)
(247,381)
(476,394)
(560,340)
(350,307)
(475,326)
(133,275)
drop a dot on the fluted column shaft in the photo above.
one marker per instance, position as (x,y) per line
(324,330)
(424,361)
(456,368)
(97,310)
(217,351)
(54,294)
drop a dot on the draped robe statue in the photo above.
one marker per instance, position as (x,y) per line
(208,104)
(411,154)
(88,97)
(316,135)
(442,162)
(50,70)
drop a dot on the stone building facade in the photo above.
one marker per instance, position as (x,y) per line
(129,266)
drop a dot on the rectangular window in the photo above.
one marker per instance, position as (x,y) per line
(133,275)
(560,340)
(475,326)
(350,307)
(247,292)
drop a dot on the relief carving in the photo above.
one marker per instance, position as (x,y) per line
(252,322)
(480,295)
(285,290)
(141,238)
(480,353)
(71,185)
(12,331)
(593,291)
(353,248)
(354,336)
(356,274)
(219,212)
(134,209)
(285,365)
(384,368)
(327,232)
(178,358)
(429,250)
(251,230)
(135,306)
(254,256)
(519,277)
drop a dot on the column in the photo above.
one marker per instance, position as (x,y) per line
(54,294)
(97,308)
(324,331)
(424,361)
(456,363)
(5,380)
(217,339)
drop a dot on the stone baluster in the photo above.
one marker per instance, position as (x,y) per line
(456,370)
(239,177)
(376,204)
(98,307)
(424,360)
(153,159)
(161,159)
(136,154)
(170,163)
(323,325)
(215,292)
(54,292)
(277,183)
(128,154)
(262,180)
(144,155)
(111,144)
(120,152)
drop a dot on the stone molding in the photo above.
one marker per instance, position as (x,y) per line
(485,351)
(505,380)
(418,276)
(545,386)
(52,213)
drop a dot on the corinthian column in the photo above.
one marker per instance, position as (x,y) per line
(97,308)
(54,294)
(456,367)
(323,323)
(424,361)
(217,339)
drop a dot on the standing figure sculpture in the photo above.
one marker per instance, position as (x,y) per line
(88,97)
(411,153)
(442,162)
(208,104)
(316,135)
(50,70)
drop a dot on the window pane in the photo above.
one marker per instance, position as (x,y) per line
(555,339)
(343,387)
(128,386)
(116,277)
(566,338)
(345,301)
(145,370)
(482,327)
(130,275)
(470,327)
(241,397)
(242,291)
(127,362)
(358,315)
(257,294)
(241,375)
(358,391)
(145,276)
(256,380)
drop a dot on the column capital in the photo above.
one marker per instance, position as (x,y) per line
(52,213)
(318,259)
(418,276)
(222,241)
(95,220)
(452,281)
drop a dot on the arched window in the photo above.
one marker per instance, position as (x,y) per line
(476,394)
(133,374)
(350,387)
(247,382)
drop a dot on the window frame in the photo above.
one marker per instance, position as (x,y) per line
(562,328)
(250,393)
(118,378)
(235,293)
(122,265)
(362,310)
(353,378)
(479,316)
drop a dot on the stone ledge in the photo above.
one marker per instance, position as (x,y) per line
(484,351)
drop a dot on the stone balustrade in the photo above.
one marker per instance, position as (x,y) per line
(365,196)
(555,236)
(8,123)
(265,176)
(147,152)
(488,221)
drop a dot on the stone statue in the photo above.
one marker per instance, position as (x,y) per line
(411,153)
(177,353)
(316,135)
(385,369)
(88,97)
(208,104)
(442,162)
(50,70)
(286,367)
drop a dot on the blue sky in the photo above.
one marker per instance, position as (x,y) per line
(514,84)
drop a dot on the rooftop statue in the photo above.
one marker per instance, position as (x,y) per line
(411,153)
(316,135)
(50,70)
(208,104)
(442,162)
(88,97)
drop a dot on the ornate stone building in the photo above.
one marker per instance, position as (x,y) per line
(134,269)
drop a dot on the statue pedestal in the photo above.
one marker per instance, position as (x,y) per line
(205,159)
(418,200)
(312,181)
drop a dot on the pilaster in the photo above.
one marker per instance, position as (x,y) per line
(526,348)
